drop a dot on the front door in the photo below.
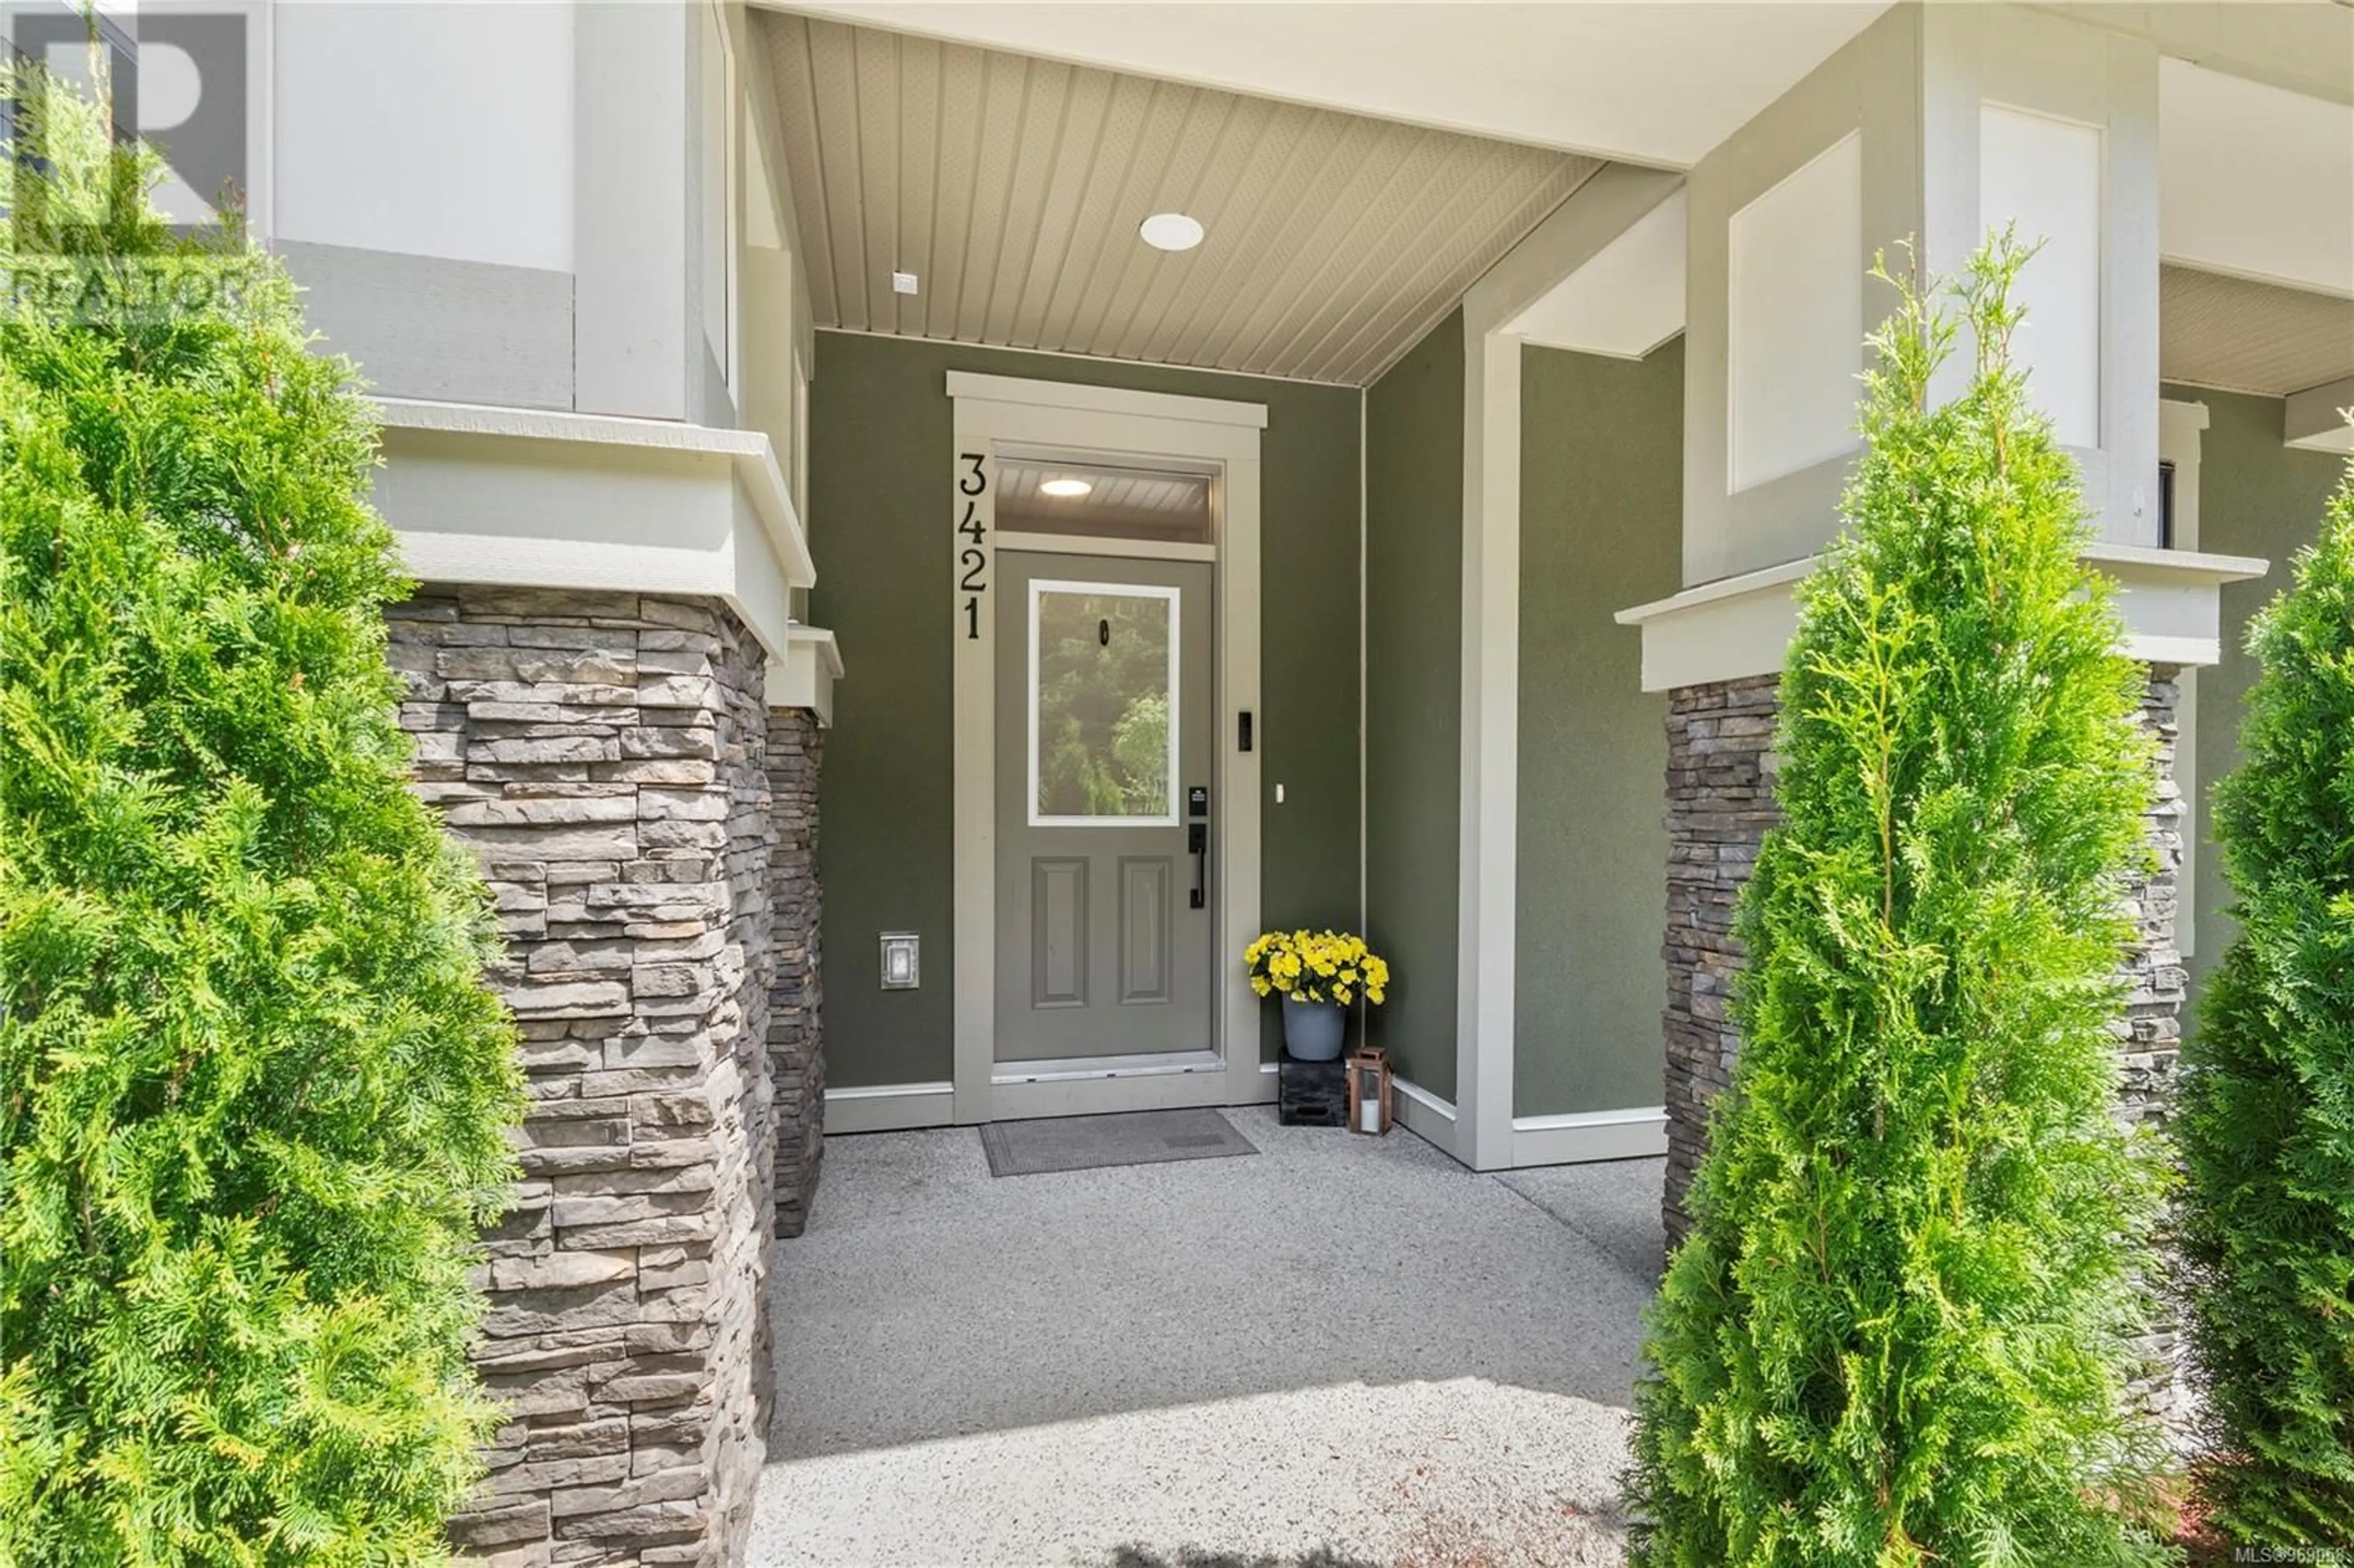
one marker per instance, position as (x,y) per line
(1104,712)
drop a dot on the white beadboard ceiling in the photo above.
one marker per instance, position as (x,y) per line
(1012,187)
(2246,336)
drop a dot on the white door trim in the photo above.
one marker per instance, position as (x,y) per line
(993,410)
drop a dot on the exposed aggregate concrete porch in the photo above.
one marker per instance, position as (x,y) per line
(1344,1350)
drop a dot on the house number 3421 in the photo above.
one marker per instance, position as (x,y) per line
(973,561)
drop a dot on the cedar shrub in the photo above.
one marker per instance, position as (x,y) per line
(253,1095)
(2267,1122)
(1897,1333)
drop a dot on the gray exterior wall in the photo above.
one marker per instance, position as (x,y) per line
(880,444)
(1601,528)
(1414,719)
(2259,498)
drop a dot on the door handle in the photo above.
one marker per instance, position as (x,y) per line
(1197,842)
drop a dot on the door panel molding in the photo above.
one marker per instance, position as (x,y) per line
(988,411)
(1058,931)
(1147,906)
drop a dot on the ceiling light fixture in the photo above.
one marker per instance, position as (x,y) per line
(1170,231)
(1066,487)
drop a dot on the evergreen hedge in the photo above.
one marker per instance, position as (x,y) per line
(253,1096)
(1896,1334)
(2267,1122)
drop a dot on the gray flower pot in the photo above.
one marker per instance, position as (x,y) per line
(1312,1030)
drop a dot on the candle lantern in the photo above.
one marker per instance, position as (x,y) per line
(1369,1089)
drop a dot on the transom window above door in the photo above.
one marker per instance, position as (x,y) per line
(1046,495)
(1103,693)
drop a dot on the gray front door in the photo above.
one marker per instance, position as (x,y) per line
(1104,697)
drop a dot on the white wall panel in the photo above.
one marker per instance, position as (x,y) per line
(2044,175)
(441,130)
(1796,315)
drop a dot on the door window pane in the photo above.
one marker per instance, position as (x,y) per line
(1103,690)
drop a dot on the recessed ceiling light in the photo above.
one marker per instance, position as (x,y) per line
(1066,487)
(1170,231)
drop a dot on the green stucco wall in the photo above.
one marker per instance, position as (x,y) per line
(2256,497)
(1414,664)
(1601,529)
(880,434)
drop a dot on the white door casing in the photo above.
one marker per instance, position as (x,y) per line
(1105,423)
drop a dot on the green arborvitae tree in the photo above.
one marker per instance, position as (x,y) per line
(2267,1123)
(253,1096)
(1897,1333)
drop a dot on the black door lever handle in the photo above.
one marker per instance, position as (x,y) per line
(1197,842)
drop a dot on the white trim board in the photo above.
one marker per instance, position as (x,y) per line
(1106,400)
(542,498)
(994,412)
(1582,1137)
(1424,1115)
(1741,626)
(889,1107)
(804,676)
(1488,841)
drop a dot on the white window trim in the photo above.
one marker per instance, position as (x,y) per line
(1169,593)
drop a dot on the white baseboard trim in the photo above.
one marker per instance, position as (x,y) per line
(1423,1114)
(889,1107)
(1584,1136)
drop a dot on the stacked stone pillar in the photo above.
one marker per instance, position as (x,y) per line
(608,757)
(796,1060)
(1720,785)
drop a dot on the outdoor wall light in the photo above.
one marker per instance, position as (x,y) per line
(900,965)
(1170,231)
(1065,487)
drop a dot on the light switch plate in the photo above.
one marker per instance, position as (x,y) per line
(903,282)
(902,961)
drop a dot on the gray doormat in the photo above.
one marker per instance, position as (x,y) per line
(1128,1138)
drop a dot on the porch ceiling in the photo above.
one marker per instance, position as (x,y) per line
(2246,336)
(1012,187)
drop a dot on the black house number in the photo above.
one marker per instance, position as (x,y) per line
(972,562)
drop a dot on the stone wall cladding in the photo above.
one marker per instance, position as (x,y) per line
(1720,804)
(607,758)
(796,998)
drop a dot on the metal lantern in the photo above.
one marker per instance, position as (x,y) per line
(1368,1090)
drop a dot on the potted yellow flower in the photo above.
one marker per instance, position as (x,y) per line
(1318,974)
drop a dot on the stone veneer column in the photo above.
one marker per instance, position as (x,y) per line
(607,756)
(1721,802)
(796,997)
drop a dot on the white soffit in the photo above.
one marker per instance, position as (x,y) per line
(1012,186)
(2239,336)
(2255,180)
(1627,301)
(1654,83)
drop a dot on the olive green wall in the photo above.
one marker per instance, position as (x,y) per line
(1414,664)
(1601,529)
(880,434)
(2256,497)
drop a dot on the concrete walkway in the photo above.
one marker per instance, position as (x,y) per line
(1341,1350)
